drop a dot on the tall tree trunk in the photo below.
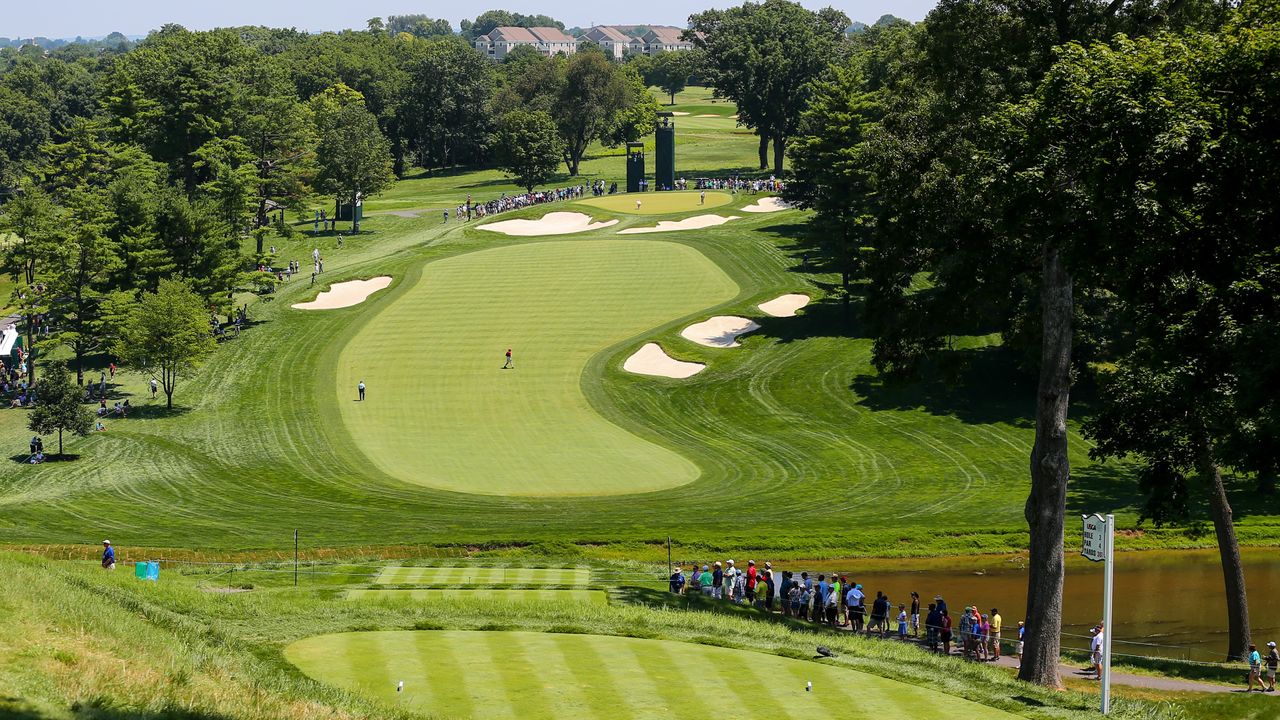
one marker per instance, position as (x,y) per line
(355,221)
(764,150)
(779,152)
(1229,550)
(59,442)
(1050,471)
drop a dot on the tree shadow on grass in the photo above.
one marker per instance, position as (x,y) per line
(1099,488)
(977,386)
(154,412)
(24,459)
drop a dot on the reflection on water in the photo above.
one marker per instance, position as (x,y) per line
(1167,603)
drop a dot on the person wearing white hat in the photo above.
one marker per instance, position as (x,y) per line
(1273,661)
(108,556)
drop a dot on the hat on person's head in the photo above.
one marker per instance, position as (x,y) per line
(730,561)
(751,562)
(858,586)
(106,542)
(937,597)
(1020,623)
(1271,644)
(718,563)
(704,567)
(768,564)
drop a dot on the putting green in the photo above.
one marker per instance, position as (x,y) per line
(589,597)
(442,412)
(482,576)
(658,203)
(543,675)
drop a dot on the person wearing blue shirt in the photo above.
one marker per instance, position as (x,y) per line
(108,556)
(677,582)
(1255,669)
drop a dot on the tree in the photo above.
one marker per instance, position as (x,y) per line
(528,147)
(599,101)
(167,335)
(83,263)
(445,104)
(421,26)
(58,408)
(832,178)
(280,137)
(763,57)
(33,220)
(354,156)
(670,71)
(973,205)
(1160,134)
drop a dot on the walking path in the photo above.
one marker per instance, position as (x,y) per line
(1150,682)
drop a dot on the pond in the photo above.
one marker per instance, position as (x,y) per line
(1167,603)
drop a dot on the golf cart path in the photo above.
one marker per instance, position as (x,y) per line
(1149,682)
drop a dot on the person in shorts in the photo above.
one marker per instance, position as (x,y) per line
(1255,669)
(108,556)
(1022,630)
(915,614)
(1273,661)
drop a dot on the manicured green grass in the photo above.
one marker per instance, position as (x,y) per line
(443,412)
(798,447)
(464,575)
(91,644)
(544,675)
(479,595)
(659,203)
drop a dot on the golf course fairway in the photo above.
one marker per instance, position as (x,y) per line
(441,410)
(658,203)
(544,675)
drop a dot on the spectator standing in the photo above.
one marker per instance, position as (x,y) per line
(997,624)
(1273,661)
(108,556)
(932,627)
(677,582)
(915,614)
(1255,669)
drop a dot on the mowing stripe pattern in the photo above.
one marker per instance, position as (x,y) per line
(544,675)
(450,576)
(589,597)
(443,412)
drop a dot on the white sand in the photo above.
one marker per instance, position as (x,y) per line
(554,223)
(345,294)
(652,360)
(767,205)
(721,331)
(784,305)
(708,115)
(693,223)
(677,113)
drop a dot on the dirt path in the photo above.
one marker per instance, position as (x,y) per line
(1150,682)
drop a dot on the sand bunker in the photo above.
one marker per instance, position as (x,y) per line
(677,113)
(345,294)
(693,223)
(652,360)
(709,115)
(767,205)
(554,223)
(721,331)
(784,305)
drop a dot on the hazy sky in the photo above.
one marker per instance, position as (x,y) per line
(68,18)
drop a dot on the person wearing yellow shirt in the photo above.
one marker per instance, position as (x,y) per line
(996,624)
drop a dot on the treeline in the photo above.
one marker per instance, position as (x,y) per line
(1096,181)
(119,170)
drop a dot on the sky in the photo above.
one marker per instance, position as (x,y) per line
(92,18)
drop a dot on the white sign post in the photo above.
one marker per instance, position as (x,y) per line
(1099,546)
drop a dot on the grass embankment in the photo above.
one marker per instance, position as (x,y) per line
(109,646)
